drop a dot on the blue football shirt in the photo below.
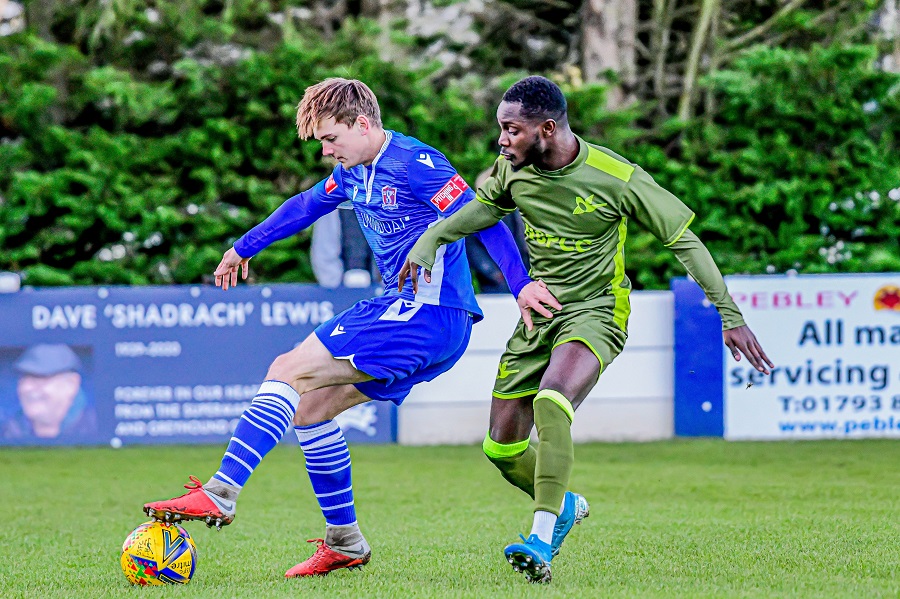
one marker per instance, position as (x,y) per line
(407,188)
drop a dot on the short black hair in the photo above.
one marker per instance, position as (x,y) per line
(540,98)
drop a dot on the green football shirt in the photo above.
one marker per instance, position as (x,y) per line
(576,220)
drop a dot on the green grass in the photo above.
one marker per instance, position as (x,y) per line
(676,519)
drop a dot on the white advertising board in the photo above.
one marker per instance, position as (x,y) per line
(835,341)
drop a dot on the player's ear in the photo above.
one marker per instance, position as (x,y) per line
(363,124)
(548,128)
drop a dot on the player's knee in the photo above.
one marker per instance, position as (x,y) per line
(279,370)
(552,408)
(308,414)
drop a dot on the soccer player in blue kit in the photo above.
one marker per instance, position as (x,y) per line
(377,349)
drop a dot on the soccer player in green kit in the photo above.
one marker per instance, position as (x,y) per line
(576,199)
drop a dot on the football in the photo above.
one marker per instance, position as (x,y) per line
(157,553)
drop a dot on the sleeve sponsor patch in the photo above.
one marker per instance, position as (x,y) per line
(449,193)
(330,185)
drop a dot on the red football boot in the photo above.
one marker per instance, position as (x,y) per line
(196,504)
(326,560)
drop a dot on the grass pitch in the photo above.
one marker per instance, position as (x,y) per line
(675,519)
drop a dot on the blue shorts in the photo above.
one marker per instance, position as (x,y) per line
(397,342)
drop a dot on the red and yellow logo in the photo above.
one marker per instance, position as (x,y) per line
(888,298)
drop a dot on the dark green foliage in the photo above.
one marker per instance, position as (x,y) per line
(793,171)
(134,158)
(129,179)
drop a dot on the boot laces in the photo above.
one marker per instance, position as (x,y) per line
(194,484)
(316,558)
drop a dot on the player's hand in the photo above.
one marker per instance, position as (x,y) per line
(227,272)
(533,297)
(741,340)
(411,269)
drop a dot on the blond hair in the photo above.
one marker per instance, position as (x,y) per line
(343,99)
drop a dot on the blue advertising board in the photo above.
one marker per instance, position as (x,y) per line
(123,365)
(698,362)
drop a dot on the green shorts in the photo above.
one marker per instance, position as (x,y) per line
(528,352)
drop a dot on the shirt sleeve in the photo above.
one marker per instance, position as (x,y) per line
(294,215)
(495,189)
(657,210)
(500,244)
(697,260)
(434,180)
(473,217)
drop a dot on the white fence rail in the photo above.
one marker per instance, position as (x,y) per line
(632,402)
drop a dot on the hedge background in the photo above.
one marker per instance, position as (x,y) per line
(138,158)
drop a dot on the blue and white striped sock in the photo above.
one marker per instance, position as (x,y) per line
(328,465)
(260,428)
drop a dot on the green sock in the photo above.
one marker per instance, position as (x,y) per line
(555,453)
(514,460)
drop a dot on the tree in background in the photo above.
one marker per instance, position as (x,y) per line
(136,147)
(139,138)
(798,170)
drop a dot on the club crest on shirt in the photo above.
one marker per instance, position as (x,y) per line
(389,197)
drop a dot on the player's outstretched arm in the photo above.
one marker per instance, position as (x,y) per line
(294,215)
(471,218)
(697,260)
(668,219)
